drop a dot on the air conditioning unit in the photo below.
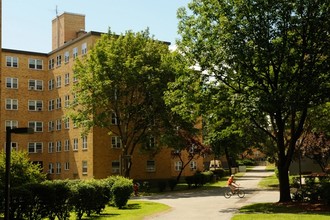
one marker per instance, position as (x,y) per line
(39,109)
(32,88)
(39,151)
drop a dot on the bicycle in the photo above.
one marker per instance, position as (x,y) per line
(240,193)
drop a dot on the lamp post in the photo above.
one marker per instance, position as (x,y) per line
(9,131)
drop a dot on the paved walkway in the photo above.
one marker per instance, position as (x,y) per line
(211,204)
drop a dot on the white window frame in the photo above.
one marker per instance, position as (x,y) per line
(37,126)
(11,123)
(59,60)
(75,144)
(51,147)
(66,145)
(36,146)
(193,165)
(115,166)
(58,168)
(84,167)
(66,56)
(51,105)
(35,105)
(58,103)
(84,48)
(50,168)
(11,61)
(84,142)
(58,124)
(67,166)
(67,79)
(35,84)
(11,104)
(51,84)
(116,142)
(177,165)
(11,83)
(35,64)
(51,64)
(58,146)
(67,123)
(75,52)
(58,81)
(67,101)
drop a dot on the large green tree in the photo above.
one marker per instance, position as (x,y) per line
(120,87)
(273,56)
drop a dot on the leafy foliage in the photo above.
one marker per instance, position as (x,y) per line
(272,58)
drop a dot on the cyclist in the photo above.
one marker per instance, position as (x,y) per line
(232,184)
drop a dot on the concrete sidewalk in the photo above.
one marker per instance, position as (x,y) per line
(211,204)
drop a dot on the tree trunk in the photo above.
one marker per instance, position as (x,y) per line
(228,159)
(284,184)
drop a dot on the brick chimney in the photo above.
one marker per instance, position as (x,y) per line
(66,27)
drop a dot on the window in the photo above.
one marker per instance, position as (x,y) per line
(67,123)
(75,79)
(14,146)
(193,165)
(58,60)
(67,79)
(67,145)
(35,105)
(66,101)
(36,84)
(35,64)
(58,146)
(58,103)
(115,142)
(84,143)
(50,168)
(35,147)
(11,61)
(51,105)
(84,48)
(58,168)
(115,166)
(84,167)
(178,165)
(75,144)
(152,143)
(50,147)
(51,84)
(75,53)
(51,126)
(66,57)
(11,83)
(66,166)
(114,118)
(58,81)
(36,125)
(58,124)
(151,167)
(11,104)
(51,64)
(11,124)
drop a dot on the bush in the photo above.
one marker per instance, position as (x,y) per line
(121,191)
(220,172)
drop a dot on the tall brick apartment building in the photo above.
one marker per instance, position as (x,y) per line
(35,91)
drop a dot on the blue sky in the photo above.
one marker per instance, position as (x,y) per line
(26,24)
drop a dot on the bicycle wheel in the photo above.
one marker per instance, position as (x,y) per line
(228,194)
(241,193)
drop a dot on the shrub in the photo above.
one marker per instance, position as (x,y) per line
(220,172)
(162,185)
(121,191)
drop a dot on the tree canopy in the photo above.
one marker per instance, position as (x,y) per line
(272,57)
(120,88)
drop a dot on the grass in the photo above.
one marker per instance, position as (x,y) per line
(134,210)
(277,211)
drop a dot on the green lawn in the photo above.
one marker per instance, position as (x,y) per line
(270,211)
(135,210)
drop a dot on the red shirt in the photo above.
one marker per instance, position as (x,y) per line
(230,180)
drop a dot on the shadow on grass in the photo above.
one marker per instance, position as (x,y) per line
(291,207)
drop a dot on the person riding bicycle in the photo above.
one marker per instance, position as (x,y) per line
(232,184)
